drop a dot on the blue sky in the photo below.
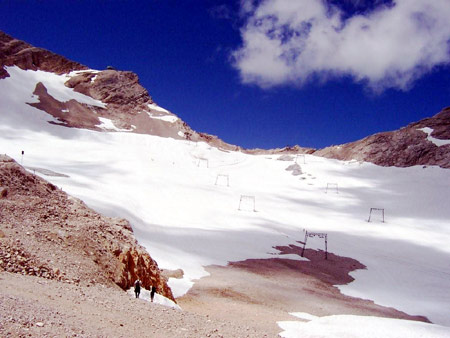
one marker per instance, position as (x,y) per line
(261,73)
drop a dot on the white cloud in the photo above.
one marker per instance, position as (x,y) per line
(289,42)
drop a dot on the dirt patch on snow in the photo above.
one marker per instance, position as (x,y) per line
(260,292)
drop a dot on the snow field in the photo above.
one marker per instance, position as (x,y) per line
(359,326)
(186,221)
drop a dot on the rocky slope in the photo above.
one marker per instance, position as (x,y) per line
(45,232)
(420,143)
(37,307)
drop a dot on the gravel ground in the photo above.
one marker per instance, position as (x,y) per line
(34,306)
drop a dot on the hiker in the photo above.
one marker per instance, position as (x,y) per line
(152,293)
(137,288)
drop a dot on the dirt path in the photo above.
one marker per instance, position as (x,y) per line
(260,292)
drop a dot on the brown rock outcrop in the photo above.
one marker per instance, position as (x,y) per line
(19,53)
(53,235)
(128,105)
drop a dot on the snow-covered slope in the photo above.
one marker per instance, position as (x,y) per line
(176,195)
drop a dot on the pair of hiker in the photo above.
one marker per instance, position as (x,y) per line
(137,290)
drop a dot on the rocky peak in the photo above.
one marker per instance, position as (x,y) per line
(15,52)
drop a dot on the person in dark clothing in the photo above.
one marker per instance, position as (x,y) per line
(152,293)
(137,288)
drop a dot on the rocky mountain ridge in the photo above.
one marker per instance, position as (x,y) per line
(45,232)
(426,142)
(129,107)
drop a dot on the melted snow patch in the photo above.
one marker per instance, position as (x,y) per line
(107,124)
(78,72)
(158,299)
(166,118)
(436,141)
(154,106)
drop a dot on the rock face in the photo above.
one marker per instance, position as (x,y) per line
(426,142)
(47,233)
(19,53)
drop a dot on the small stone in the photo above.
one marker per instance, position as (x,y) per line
(3,192)
(39,324)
